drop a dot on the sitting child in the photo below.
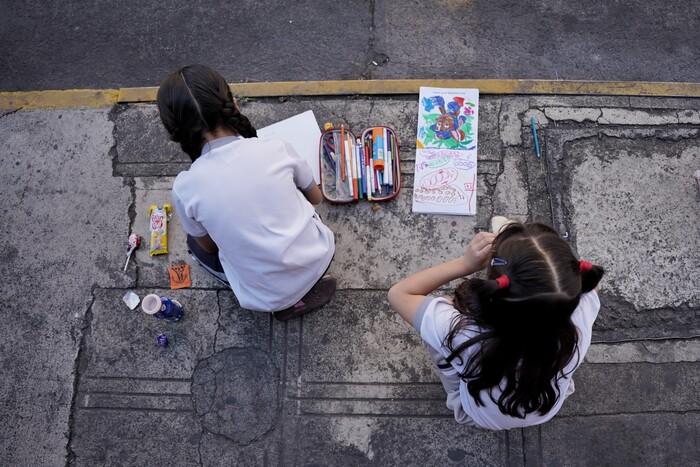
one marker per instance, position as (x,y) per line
(506,346)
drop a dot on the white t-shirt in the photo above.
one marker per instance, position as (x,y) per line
(434,318)
(244,193)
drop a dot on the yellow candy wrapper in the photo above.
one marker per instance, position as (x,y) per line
(159,229)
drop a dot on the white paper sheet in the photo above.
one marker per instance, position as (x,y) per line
(302,132)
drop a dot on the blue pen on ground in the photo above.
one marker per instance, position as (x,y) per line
(534,135)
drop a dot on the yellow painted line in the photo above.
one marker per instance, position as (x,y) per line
(70,98)
(485,86)
(127,95)
(108,97)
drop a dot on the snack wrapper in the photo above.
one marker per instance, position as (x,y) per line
(159,229)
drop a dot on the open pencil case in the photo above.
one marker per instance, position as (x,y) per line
(355,168)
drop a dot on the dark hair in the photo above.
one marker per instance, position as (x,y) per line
(529,337)
(196,99)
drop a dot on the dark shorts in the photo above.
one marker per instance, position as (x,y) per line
(209,261)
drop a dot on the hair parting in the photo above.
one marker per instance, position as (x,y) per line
(194,100)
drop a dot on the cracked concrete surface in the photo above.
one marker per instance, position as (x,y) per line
(85,375)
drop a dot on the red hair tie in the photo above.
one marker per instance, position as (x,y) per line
(503,282)
(585,266)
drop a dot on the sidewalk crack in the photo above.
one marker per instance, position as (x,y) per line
(84,329)
(11,112)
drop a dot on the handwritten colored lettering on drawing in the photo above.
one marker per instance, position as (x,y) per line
(434,158)
(445,195)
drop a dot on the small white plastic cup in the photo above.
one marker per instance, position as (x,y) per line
(151,304)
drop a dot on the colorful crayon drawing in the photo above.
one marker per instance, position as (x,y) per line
(446,148)
(447,118)
(445,182)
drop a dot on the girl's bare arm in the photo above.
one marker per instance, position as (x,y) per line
(407,295)
(313,194)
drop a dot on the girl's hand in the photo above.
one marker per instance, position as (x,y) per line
(478,252)
(406,296)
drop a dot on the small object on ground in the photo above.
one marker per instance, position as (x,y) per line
(161,307)
(159,229)
(534,135)
(498,222)
(131,299)
(319,295)
(180,276)
(697,178)
(375,207)
(162,340)
(132,244)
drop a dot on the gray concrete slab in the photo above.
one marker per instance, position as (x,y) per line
(634,388)
(372,441)
(627,199)
(660,351)
(349,384)
(637,439)
(62,233)
(115,437)
(122,343)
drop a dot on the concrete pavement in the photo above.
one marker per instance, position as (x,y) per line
(85,383)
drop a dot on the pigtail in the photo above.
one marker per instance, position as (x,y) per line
(474,296)
(590,277)
(191,142)
(235,119)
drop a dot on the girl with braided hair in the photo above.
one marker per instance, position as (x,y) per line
(246,204)
(506,346)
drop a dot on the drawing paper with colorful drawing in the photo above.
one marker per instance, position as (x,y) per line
(446,148)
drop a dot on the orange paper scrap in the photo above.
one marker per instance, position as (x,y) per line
(180,276)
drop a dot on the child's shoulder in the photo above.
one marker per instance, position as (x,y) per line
(587,310)
(589,303)
(443,310)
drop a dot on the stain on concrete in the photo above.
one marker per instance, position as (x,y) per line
(235,394)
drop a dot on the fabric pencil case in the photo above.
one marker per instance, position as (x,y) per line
(355,168)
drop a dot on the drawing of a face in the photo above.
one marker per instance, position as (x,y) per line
(444,123)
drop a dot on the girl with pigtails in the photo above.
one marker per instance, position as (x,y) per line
(246,204)
(506,346)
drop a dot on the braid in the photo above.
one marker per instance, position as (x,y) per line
(195,100)
(181,114)
(239,122)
